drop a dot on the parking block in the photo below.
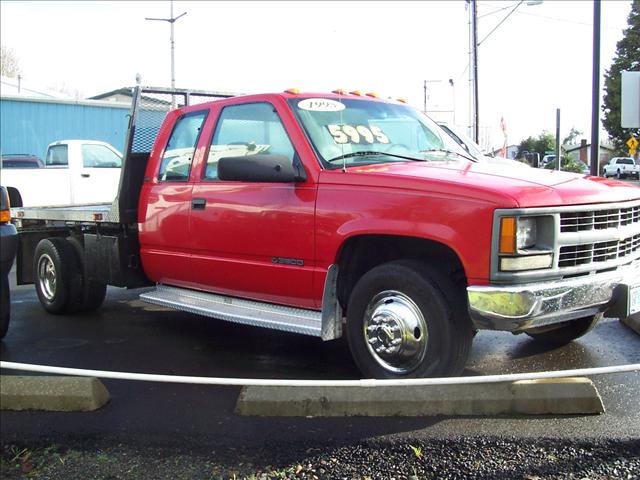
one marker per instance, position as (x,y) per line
(562,396)
(60,394)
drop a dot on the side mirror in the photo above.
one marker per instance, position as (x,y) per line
(261,168)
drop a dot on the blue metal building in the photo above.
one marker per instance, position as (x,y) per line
(28,125)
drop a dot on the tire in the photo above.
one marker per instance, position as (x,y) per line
(618,176)
(5,305)
(421,322)
(58,278)
(565,332)
(93,290)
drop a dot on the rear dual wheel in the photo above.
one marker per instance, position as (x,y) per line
(405,319)
(63,284)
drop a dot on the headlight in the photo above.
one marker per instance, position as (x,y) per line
(526,232)
(518,233)
(525,243)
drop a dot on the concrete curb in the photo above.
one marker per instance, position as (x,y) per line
(563,396)
(633,323)
(58,394)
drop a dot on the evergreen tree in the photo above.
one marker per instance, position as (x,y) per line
(627,59)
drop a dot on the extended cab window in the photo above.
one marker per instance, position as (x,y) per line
(177,157)
(244,130)
(57,156)
(100,156)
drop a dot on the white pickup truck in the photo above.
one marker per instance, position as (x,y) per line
(621,167)
(75,172)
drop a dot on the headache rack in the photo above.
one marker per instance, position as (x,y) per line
(149,107)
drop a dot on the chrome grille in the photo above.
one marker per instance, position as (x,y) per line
(584,254)
(599,219)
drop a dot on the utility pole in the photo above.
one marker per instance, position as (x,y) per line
(558,149)
(474,70)
(595,92)
(171,21)
(473,52)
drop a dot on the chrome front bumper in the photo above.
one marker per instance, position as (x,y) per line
(521,307)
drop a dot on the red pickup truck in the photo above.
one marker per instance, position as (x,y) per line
(324,213)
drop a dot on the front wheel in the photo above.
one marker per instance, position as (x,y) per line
(403,322)
(565,332)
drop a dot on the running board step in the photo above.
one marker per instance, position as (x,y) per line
(231,309)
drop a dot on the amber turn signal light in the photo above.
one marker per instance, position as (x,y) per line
(508,235)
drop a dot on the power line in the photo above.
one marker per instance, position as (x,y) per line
(547,17)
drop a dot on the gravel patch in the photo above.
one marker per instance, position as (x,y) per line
(463,458)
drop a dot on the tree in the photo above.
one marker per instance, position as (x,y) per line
(626,59)
(568,164)
(542,143)
(9,63)
(573,134)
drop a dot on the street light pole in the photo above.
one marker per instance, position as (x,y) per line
(171,21)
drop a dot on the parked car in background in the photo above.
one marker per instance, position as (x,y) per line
(546,160)
(621,167)
(8,248)
(474,149)
(75,171)
(20,160)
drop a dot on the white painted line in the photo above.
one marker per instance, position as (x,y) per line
(146,377)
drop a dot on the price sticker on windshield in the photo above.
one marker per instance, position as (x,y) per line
(357,134)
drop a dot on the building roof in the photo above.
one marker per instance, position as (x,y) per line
(126,91)
(20,87)
(588,145)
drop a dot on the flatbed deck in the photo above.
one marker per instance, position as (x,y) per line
(93,213)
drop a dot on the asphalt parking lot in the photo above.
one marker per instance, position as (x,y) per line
(128,335)
(152,430)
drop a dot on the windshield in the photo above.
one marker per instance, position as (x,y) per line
(362,132)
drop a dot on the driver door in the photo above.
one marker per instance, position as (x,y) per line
(252,239)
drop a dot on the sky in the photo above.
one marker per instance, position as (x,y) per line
(539,59)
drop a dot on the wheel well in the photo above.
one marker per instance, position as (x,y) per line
(362,253)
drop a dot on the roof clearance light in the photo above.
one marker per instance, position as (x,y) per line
(401,100)
(373,94)
(356,92)
(292,91)
(339,91)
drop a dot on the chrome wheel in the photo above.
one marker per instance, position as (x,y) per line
(47,280)
(395,332)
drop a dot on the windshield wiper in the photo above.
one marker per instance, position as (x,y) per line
(449,152)
(367,153)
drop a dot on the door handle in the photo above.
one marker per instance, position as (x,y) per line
(85,175)
(198,203)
